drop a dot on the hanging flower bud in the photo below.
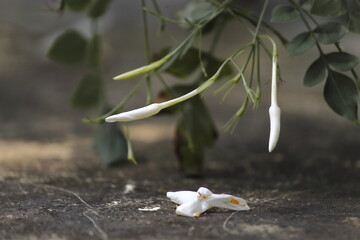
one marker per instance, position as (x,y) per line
(145,69)
(274,110)
(135,114)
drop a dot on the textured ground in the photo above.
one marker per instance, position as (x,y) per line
(307,189)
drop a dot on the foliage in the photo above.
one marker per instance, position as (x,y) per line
(72,48)
(195,130)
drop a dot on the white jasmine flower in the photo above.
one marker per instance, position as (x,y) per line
(274,110)
(192,204)
(136,114)
(274,113)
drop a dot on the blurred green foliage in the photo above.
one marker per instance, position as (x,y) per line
(195,130)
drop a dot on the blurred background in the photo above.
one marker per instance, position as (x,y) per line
(36,120)
(307,188)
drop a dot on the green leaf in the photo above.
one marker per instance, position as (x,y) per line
(212,64)
(180,67)
(341,95)
(330,32)
(77,5)
(196,11)
(306,4)
(315,73)
(68,48)
(195,131)
(342,61)
(284,13)
(300,44)
(110,144)
(184,66)
(93,51)
(354,22)
(88,92)
(328,8)
(98,8)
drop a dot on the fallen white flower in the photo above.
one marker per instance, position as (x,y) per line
(149,209)
(129,188)
(192,204)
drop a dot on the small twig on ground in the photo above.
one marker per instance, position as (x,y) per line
(67,191)
(103,234)
(191,231)
(226,229)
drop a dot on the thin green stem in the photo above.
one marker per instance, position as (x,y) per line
(258,71)
(147,52)
(158,11)
(166,86)
(214,43)
(274,56)
(95,66)
(130,152)
(202,65)
(163,18)
(260,19)
(217,34)
(118,107)
(146,33)
(268,53)
(252,19)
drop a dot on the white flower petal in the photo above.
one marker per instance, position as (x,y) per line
(204,192)
(135,114)
(181,197)
(275,114)
(227,201)
(192,208)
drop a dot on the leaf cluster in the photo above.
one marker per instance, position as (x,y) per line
(341,91)
(72,48)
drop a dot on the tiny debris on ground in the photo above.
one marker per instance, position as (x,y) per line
(149,209)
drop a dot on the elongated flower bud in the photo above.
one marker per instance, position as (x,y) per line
(136,114)
(274,113)
(143,70)
(274,110)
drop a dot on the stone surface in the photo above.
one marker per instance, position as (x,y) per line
(307,189)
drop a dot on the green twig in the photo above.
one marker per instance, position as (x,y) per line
(118,107)
(158,12)
(147,53)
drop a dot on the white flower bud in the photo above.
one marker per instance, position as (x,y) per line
(274,110)
(274,113)
(135,114)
